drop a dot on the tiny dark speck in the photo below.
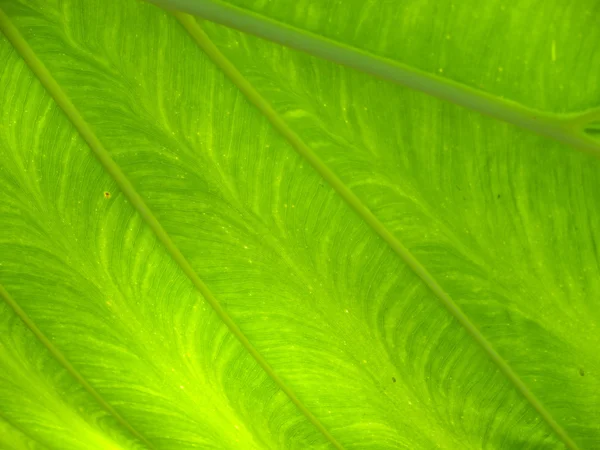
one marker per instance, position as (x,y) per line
(107,194)
(498,195)
(393,379)
(581,372)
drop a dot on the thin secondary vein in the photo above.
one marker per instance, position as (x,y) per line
(15,38)
(558,127)
(61,98)
(55,352)
(21,430)
(356,204)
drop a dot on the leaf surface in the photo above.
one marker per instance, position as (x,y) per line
(217,275)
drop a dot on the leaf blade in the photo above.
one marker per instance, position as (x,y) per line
(556,126)
(386,179)
(288,229)
(111,305)
(355,203)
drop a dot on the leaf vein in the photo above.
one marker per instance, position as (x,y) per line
(84,129)
(18,428)
(56,353)
(559,127)
(229,69)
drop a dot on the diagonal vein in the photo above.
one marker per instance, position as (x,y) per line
(18,428)
(84,129)
(56,353)
(555,126)
(190,24)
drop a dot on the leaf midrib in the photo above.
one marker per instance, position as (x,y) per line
(103,156)
(229,69)
(565,128)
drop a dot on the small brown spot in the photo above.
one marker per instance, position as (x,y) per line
(393,379)
(107,194)
(581,372)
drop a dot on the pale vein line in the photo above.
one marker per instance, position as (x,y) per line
(27,434)
(355,203)
(558,127)
(61,98)
(55,352)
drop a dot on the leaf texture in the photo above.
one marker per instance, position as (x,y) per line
(495,47)
(321,335)
(463,39)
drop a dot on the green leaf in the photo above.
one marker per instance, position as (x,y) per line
(209,240)
(345,35)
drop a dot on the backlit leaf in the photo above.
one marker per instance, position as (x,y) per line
(211,240)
